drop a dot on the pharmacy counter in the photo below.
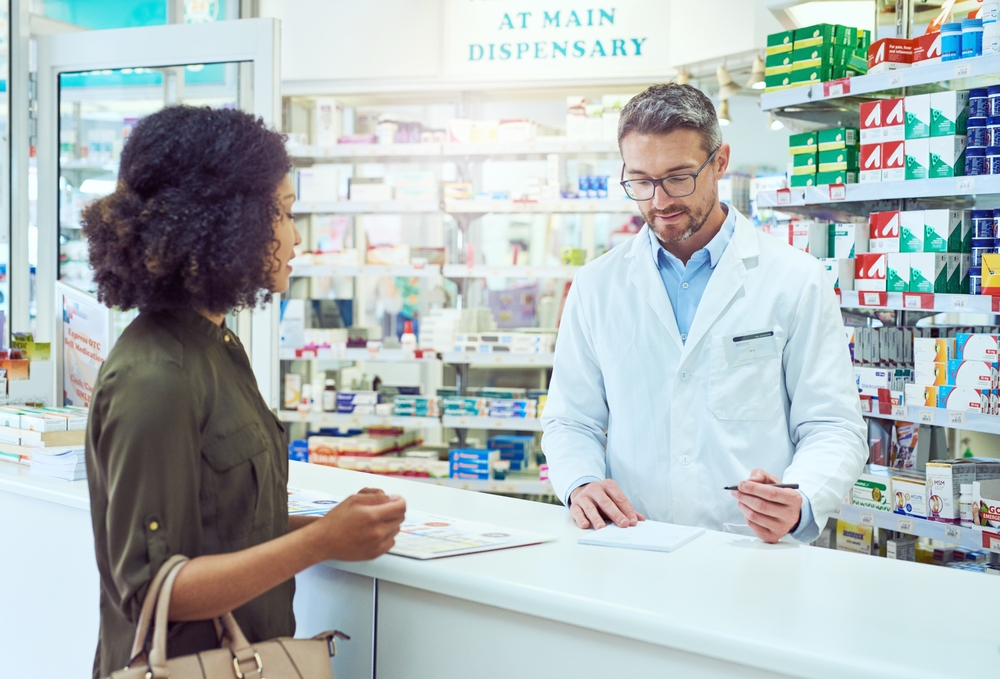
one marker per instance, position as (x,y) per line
(721,606)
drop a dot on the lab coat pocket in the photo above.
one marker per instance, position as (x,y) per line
(744,380)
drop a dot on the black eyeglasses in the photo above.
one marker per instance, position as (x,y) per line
(675,186)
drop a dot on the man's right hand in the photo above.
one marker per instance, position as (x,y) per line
(362,527)
(593,505)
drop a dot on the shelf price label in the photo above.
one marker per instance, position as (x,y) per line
(838,510)
(963,70)
(838,192)
(959,302)
(966,184)
(918,300)
(926,417)
(837,88)
(873,298)
(953,533)
(895,79)
(905,525)
(784,197)
(867,519)
(956,417)
(900,412)
(994,543)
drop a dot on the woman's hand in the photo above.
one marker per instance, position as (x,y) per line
(362,527)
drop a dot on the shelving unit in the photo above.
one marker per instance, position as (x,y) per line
(915,301)
(312,270)
(497,423)
(925,189)
(485,271)
(380,356)
(500,360)
(358,421)
(562,206)
(939,417)
(398,152)
(971,538)
(509,486)
(358,207)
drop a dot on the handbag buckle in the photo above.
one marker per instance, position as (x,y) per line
(239,673)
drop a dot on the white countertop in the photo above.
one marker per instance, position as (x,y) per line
(797,610)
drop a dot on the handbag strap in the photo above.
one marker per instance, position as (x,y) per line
(149,604)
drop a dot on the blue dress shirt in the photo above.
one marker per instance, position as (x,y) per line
(685,285)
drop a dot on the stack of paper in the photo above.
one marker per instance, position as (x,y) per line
(66,463)
(649,535)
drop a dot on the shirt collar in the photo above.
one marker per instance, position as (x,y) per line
(715,247)
(192,319)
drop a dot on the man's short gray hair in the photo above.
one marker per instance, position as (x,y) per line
(664,108)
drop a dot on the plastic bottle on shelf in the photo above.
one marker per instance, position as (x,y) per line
(965,505)
(951,41)
(305,404)
(972,38)
(330,397)
(408,341)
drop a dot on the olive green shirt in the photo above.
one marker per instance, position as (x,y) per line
(183,457)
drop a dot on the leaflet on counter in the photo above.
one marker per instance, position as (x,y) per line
(424,535)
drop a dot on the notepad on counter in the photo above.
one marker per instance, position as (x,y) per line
(649,535)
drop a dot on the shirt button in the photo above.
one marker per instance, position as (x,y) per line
(227,338)
(685,460)
(154,526)
(684,338)
(685,374)
(685,286)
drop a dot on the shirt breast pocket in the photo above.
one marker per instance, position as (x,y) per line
(745,375)
(240,475)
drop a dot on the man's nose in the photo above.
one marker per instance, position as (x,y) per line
(660,199)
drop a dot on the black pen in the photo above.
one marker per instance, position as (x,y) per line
(790,486)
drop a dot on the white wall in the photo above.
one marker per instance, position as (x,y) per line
(755,147)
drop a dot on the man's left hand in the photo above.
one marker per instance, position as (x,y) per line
(770,512)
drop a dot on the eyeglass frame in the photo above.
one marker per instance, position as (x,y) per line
(659,182)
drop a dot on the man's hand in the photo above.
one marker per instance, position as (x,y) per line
(593,504)
(771,512)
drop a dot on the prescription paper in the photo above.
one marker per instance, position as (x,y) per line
(427,536)
(649,535)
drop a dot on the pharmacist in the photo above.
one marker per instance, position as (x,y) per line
(700,354)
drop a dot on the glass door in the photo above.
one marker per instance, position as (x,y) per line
(93,87)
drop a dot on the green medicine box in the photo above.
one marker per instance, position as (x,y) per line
(864,41)
(846,36)
(817,74)
(802,143)
(778,43)
(858,61)
(778,80)
(800,180)
(778,60)
(809,57)
(804,163)
(814,35)
(840,160)
(837,138)
(840,177)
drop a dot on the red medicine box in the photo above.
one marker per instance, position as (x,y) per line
(893,161)
(883,225)
(927,48)
(871,163)
(893,120)
(889,51)
(871,122)
(869,271)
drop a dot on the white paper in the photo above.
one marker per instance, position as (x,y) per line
(649,535)
(427,536)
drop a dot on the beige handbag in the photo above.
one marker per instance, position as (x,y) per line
(283,658)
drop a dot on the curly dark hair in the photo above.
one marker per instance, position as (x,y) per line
(191,223)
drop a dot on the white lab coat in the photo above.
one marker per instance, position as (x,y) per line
(672,422)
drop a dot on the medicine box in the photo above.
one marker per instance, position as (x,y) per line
(897,276)
(977,347)
(871,123)
(901,549)
(954,272)
(780,43)
(944,480)
(870,380)
(814,35)
(909,496)
(840,273)
(965,399)
(918,157)
(933,349)
(837,138)
(852,537)
(871,491)
(778,80)
(870,272)
(812,57)
(949,113)
(802,180)
(918,395)
(965,263)
(836,177)
(802,143)
(927,49)
(911,231)
(318,183)
(890,54)
(947,156)
(836,160)
(928,272)
(986,503)
(941,230)
(893,161)
(930,374)
(893,120)
(846,240)
(976,374)
(804,163)
(918,116)
(776,64)
(883,234)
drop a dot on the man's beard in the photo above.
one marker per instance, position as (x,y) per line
(694,224)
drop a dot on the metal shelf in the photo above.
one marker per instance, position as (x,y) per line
(507,486)
(939,417)
(504,423)
(947,187)
(356,421)
(380,356)
(914,301)
(540,146)
(561,206)
(971,538)
(955,73)
(483,271)
(354,207)
(310,270)
(504,359)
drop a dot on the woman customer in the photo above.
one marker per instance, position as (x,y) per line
(183,455)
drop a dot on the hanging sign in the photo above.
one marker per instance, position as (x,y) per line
(506,39)
(86,338)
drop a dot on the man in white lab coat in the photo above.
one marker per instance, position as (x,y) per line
(700,354)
